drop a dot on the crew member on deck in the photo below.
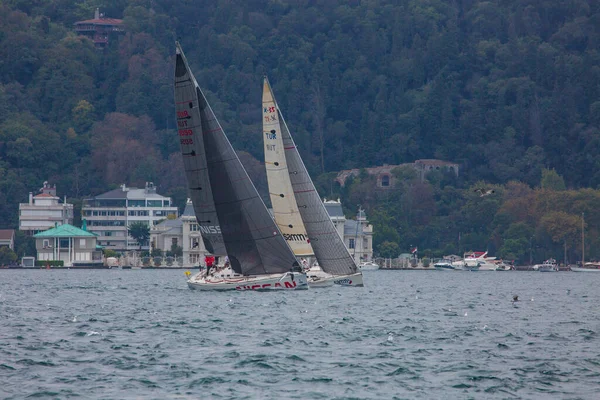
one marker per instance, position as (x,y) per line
(209,261)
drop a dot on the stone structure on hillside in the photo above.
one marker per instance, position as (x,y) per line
(385,177)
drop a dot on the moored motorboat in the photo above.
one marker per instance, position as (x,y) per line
(444,265)
(368,266)
(550,265)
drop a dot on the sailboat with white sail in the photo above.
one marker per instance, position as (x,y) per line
(297,207)
(589,266)
(232,218)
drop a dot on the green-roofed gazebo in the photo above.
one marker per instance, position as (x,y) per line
(72,245)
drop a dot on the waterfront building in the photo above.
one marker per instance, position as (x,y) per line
(100,28)
(109,215)
(356,233)
(7,238)
(44,211)
(69,244)
(183,232)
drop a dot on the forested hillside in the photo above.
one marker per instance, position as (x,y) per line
(504,88)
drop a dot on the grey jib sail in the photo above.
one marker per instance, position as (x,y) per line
(330,251)
(253,242)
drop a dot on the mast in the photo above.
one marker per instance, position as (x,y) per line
(582,241)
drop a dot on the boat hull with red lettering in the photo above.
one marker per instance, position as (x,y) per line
(286,281)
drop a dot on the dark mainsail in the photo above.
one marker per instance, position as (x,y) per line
(189,129)
(330,251)
(251,238)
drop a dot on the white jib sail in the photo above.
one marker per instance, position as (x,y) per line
(285,208)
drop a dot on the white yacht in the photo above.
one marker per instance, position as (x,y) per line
(368,266)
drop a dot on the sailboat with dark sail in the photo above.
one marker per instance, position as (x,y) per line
(232,218)
(297,207)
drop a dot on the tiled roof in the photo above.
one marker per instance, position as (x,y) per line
(6,234)
(113,194)
(64,230)
(188,211)
(130,193)
(45,195)
(101,21)
(334,209)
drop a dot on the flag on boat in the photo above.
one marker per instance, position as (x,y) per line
(413,251)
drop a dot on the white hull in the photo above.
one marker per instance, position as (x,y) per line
(579,269)
(468,268)
(287,281)
(355,280)
(320,282)
(368,266)
(319,278)
(547,269)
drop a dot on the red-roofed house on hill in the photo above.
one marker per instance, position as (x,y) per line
(99,28)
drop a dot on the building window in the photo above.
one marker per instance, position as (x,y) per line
(194,227)
(195,244)
(174,242)
(194,259)
(154,203)
(46,243)
(81,242)
(350,243)
(64,243)
(136,203)
(385,180)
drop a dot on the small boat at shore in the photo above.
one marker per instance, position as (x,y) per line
(588,267)
(444,265)
(368,266)
(550,265)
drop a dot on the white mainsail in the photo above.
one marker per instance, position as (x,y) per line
(285,208)
(328,247)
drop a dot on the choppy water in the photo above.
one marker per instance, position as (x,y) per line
(432,335)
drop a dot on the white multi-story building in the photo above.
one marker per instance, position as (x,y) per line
(356,233)
(183,232)
(44,211)
(109,215)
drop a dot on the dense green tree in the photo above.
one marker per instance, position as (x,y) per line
(140,231)
(7,256)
